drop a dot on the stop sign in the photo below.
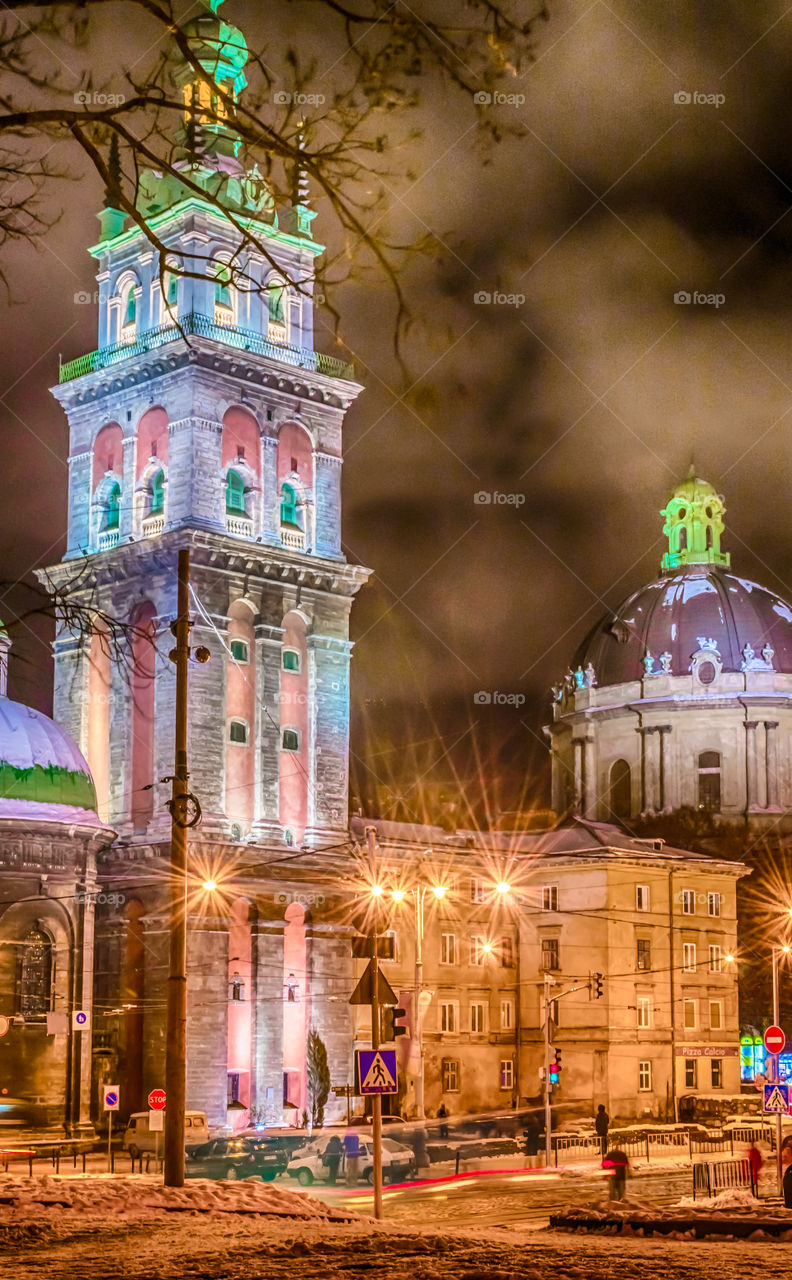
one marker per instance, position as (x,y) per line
(774,1040)
(156,1100)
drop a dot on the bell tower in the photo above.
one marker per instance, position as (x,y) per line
(205,418)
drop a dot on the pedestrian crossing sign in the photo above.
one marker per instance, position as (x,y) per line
(776,1098)
(376,1071)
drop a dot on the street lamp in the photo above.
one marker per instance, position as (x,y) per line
(209,885)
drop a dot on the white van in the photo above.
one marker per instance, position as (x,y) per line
(138,1137)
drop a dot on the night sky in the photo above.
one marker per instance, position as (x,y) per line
(583,399)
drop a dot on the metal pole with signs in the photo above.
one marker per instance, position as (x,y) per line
(111,1102)
(156,1101)
(774,1041)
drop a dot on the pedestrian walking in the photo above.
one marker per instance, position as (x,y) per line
(418,1143)
(442,1114)
(352,1157)
(601,1126)
(531,1133)
(332,1158)
(756,1160)
(616,1163)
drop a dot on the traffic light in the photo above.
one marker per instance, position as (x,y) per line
(389,1015)
(596,987)
(555,1067)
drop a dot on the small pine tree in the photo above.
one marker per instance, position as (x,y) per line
(318,1073)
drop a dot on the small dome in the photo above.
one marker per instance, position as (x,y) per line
(220,48)
(42,773)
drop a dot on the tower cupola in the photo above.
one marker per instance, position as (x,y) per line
(693,526)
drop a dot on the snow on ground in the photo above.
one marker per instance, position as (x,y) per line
(733,1198)
(146,1195)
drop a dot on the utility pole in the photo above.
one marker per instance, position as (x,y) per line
(376,1101)
(175,1052)
(548,982)
(774,1060)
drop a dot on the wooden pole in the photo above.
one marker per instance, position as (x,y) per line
(176,1045)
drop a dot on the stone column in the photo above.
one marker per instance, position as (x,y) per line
(751,798)
(207,1017)
(772,763)
(650,770)
(79,531)
(270,499)
(328,764)
(127,511)
(663,790)
(266,1078)
(589,780)
(577,791)
(331,980)
(195,473)
(266,824)
(327,511)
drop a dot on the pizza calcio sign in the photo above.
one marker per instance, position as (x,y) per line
(706,1051)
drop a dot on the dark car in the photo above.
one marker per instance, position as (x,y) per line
(234,1158)
(18,1113)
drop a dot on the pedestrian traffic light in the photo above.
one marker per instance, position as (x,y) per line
(595,986)
(389,1030)
(553,1076)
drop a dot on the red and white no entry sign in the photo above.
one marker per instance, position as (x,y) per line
(156,1100)
(774,1040)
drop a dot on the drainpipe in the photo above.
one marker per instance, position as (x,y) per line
(672,991)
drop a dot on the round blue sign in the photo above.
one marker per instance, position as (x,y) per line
(111,1099)
(81,1018)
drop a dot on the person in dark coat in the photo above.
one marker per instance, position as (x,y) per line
(332,1158)
(616,1163)
(352,1154)
(442,1114)
(531,1133)
(601,1126)
(418,1143)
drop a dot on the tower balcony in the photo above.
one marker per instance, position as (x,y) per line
(202,326)
(152,526)
(108,539)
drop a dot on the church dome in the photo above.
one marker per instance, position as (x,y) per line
(695,606)
(43,775)
(220,48)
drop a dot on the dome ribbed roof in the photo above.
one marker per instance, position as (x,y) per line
(673,613)
(42,772)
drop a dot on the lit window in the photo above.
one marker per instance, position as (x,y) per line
(709,773)
(478,1023)
(507,953)
(642,897)
(506,1073)
(643,954)
(644,1011)
(290,740)
(237,731)
(716,1067)
(291,660)
(644,1076)
(235,493)
(240,651)
(477,894)
(450,1075)
(448,948)
(550,897)
(691,1073)
(688,902)
(550,958)
(477,951)
(689,957)
(507,1013)
(690,1014)
(716,1015)
(713,904)
(715,958)
(449,1016)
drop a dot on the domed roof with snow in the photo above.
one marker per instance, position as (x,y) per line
(43,775)
(695,604)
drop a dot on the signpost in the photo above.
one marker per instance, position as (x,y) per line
(111,1103)
(776,1099)
(345,1091)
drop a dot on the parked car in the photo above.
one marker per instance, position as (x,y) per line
(235,1158)
(307,1165)
(139,1137)
(19,1113)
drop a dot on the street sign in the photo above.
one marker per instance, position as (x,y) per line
(774,1040)
(81,1020)
(363,947)
(377,1071)
(776,1099)
(57,1023)
(343,1090)
(156,1121)
(111,1097)
(5,1023)
(156,1100)
(364,990)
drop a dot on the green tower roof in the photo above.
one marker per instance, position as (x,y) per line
(693,526)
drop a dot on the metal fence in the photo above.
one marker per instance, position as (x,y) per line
(661,1144)
(709,1179)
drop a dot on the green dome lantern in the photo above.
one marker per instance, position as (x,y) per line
(693,526)
(220,48)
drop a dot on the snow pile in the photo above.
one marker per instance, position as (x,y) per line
(732,1198)
(111,1195)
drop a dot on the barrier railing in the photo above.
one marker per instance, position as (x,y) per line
(709,1179)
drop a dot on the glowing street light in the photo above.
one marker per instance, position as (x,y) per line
(377,890)
(398,895)
(439,890)
(209,886)
(503,887)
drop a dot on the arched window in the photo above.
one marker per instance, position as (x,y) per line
(238,732)
(276,307)
(223,307)
(158,494)
(289,513)
(129,316)
(290,740)
(112,508)
(709,781)
(34,975)
(709,537)
(683,539)
(291,660)
(240,651)
(235,493)
(620,789)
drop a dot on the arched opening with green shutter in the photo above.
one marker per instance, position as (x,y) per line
(158,494)
(235,493)
(289,513)
(276,303)
(129,316)
(113,507)
(223,307)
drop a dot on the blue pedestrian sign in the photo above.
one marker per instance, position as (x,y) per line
(81,1019)
(776,1099)
(377,1071)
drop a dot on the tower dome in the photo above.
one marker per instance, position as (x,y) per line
(43,775)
